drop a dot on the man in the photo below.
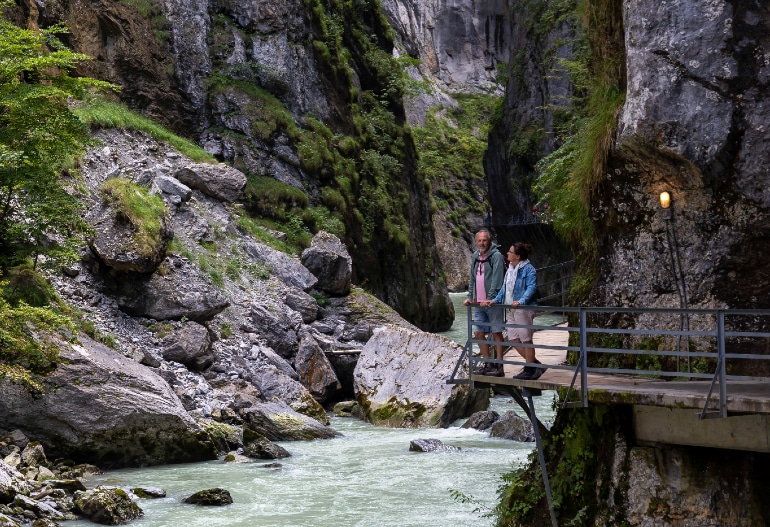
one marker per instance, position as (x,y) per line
(486,279)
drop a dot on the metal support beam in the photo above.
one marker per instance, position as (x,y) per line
(540,454)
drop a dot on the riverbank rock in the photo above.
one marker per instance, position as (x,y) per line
(278,422)
(315,371)
(328,259)
(430,445)
(481,420)
(101,407)
(400,380)
(149,492)
(107,505)
(260,447)
(12,482)
(210,497)
(512,426)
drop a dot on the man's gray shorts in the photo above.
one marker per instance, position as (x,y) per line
(488,319)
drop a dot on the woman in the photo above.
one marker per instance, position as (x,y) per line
(518,289)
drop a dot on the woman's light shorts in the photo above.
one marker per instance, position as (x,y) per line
(520,316)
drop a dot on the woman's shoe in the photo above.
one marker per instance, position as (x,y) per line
(497,372)
(525,374)
(537,372)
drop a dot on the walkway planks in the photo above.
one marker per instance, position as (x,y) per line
(742,396)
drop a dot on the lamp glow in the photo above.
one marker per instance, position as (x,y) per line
(665,200)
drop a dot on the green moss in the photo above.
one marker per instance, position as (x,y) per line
(579,441)
(143,210)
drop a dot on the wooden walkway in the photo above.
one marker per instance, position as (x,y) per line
(743,397)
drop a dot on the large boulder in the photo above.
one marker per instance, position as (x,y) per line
(181,291)
(107,505)
(315,371)
(104,408)
(512,426)
(400,380)
(328,259)
(287,269)
(277,422)
(12,482)
(275,385)
(116,243)
(219,181)
(191,346)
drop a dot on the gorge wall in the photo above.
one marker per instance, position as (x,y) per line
(693,123)
(297,92)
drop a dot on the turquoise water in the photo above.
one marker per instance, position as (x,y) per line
(366,478)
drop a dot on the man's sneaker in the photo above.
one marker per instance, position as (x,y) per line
(482,370)
(497,372)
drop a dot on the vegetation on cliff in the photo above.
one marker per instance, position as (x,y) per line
(452,144)
(576,450)
(569,176)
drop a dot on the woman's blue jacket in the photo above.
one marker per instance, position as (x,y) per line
(524,288)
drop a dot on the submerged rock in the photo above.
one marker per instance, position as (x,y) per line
(210,497)
(430,445)
(149,492)
(513,426)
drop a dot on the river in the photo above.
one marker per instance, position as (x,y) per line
(366,478)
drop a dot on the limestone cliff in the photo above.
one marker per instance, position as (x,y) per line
(296,91)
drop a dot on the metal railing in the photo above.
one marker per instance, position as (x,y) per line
(724,345)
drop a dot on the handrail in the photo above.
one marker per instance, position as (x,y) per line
(720,338)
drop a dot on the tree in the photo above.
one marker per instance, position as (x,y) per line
(39,138)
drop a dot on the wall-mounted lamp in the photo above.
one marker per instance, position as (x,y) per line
(665,206)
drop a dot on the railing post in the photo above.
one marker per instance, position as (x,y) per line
(583,358)
(722,363)
(470,344)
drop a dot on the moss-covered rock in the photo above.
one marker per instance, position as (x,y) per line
(210,497)
(107,505)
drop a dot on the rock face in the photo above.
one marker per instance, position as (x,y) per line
(693,124)
(459,44)
(247,81)
(133,417)
(328,259)
(400,380)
